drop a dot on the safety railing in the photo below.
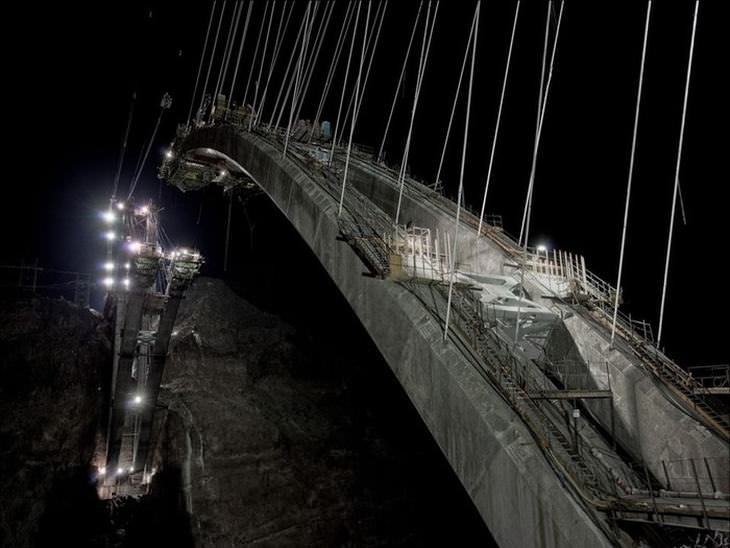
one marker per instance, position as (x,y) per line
(705,477)
(711,377)
(35,280)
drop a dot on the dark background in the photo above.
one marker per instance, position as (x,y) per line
(73,68)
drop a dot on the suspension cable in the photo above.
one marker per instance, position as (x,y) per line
(230,50)
(333,64)
(226,53)
(354,118)
(278,41)
(285,79)
(370,53)
(200,66)
(631,174)
(164,105)
(344,83)
(676,174)
(123,150)
(499,119)
(460,194)
(545,45)
(308,23)
(540,111)
(240,51)
(294,85)
(528,209)
(419,81)
(400,81)
(255,54)
(212,56)
(257,83)
(456,100)
(321,33)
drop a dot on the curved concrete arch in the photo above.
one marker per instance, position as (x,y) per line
(520,497)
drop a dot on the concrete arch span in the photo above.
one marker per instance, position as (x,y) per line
(519,496)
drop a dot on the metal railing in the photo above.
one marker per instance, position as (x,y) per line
(711,376)
(36,280)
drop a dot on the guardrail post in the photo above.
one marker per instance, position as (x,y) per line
(709,475)
(651,491)
(666,475)
(699,492)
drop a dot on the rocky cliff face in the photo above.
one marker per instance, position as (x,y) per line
(271,435)
(279,441)
(52,358)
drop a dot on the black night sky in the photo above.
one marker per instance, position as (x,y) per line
(75,66)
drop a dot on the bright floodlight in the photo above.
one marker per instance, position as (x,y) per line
(120,470)
(110,235)
(541,248)
(109,282)
(120,206)
(144,210)
(223,173)
(168,154)
(137,399)
(109,216)
(109,266)
(102,470)
(126,265)
(126,282)
(131,469)
(135,247)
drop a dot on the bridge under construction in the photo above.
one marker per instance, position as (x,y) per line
(558,434)
(562,417)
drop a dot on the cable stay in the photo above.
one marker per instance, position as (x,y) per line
(255,53)
(333,66)
(423,61)
(210,63)
(226,55)
(295,81)
(200,66)
(358,90)
(344,83)
(460,194)
(123,149)
(370,47)
(285,79)
(400,81)
(304,64)
(240,51)
(499,119)
(542,103)
(321,33)
(456,100)
(308,23)
(526,216)
(257,83)
(631,175)
(164,105)
(676,175)
(278,41)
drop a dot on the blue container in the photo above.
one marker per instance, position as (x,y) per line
(326,131)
